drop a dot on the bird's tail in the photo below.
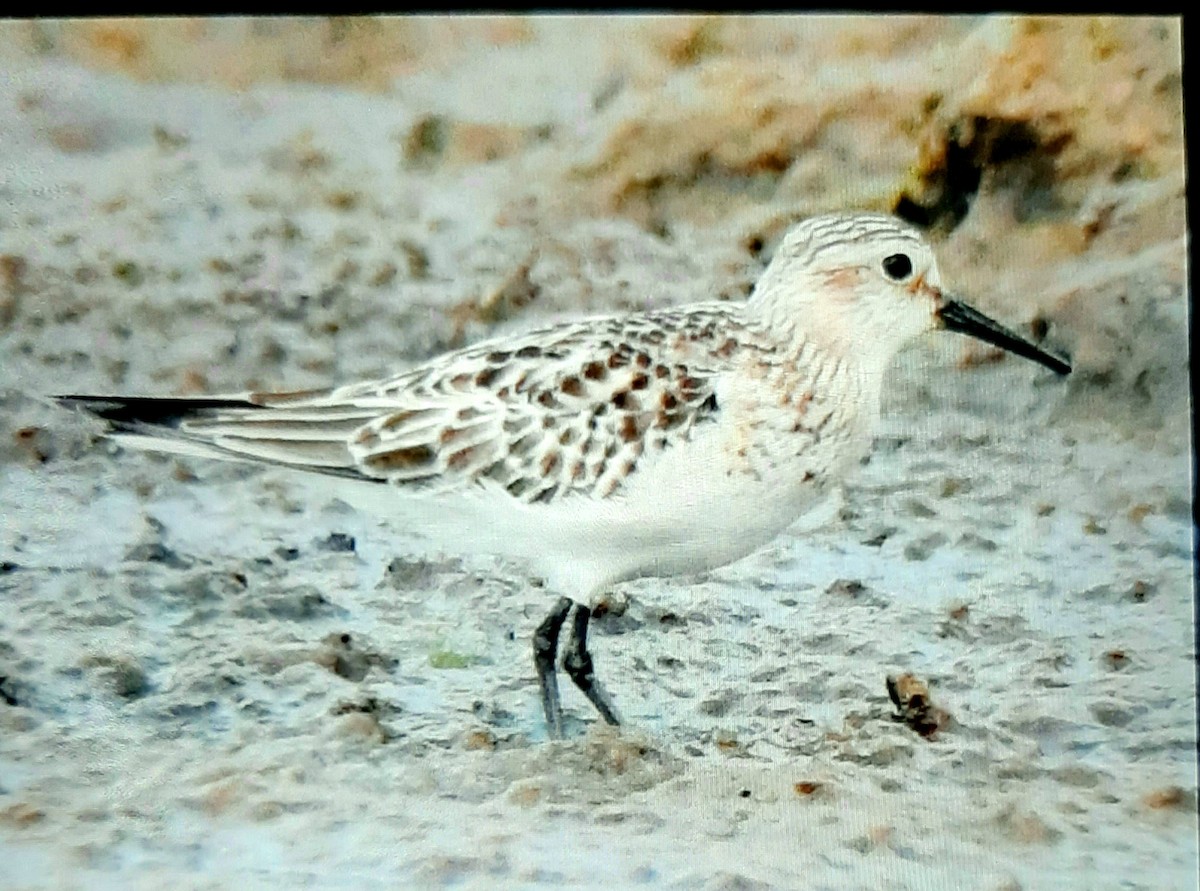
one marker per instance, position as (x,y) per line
(290,430)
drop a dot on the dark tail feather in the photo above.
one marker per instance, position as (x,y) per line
(127,413)
(233,428)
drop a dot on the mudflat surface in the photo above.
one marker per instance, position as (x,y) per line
(214,675)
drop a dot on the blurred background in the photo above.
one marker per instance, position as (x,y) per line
(469,170)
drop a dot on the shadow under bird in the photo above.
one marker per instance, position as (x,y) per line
(660,443)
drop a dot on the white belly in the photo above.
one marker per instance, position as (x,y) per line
(690,510)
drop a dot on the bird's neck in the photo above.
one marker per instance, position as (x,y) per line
(797,325)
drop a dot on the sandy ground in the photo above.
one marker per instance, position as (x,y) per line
(214,677)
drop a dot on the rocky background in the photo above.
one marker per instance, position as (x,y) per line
(209,675)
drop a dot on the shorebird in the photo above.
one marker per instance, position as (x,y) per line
(659,443)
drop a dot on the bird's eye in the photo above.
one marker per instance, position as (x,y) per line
(897,267)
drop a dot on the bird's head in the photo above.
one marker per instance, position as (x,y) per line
(867,284)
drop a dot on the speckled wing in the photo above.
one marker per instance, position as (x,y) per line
(566,411)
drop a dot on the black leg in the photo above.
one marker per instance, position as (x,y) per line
(545,650)
(578,663)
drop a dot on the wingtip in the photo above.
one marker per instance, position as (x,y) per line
(152,410)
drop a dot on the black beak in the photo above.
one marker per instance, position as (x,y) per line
(959,317)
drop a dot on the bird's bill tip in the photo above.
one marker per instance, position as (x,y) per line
(955,315)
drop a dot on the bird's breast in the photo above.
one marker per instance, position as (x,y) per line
(794,422)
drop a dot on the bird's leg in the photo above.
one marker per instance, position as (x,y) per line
(545,651)
(578,664)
